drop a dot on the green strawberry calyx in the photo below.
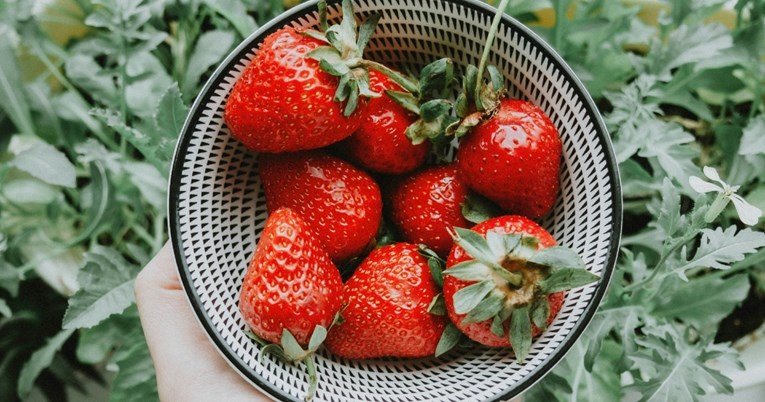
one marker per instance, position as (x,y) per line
(289,350)
(479,100)
(343,56)
(511,281)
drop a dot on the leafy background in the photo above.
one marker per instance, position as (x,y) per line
(93,95)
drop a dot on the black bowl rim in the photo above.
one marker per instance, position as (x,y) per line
(294,14)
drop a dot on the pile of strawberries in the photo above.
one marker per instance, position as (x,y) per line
(344,145)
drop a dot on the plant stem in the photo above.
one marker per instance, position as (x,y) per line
(312,377)
(489,43)
(660,264)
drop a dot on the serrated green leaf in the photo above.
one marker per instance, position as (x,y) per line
(468,297)
(95,344)
(675,369)
(681,299)
(150,183)
(135,380)
(209,50)
(48,164)
(689,44)
(88,75)
(39,361)
(106,288)
(719,248)
(753,140)
(449,339)
(674,150)
(236,13)
(520,332)
(156,146)
(147,81)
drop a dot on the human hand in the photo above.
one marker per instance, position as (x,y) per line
(188,367)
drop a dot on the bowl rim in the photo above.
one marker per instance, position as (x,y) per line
(294,14)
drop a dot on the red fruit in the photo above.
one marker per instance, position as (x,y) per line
(427,204)
(340,203)
(513,158)
(291,283)
(505,279)
(284,101)
(386,312)
(380,144)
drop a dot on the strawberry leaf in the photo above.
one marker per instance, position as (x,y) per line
(437,306)
(488,307)
(540,312)
(317,338)
(475,245)
(520,332)
(275,351)
(366,31)
(405,100)
(498,326)
(449,339)
(496,79)
(470,270)
(565,279)
(436,271)
(467,298)
(557,257)
(437,77)
(292,348)
(477,208)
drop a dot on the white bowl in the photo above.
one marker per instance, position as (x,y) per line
(217,208)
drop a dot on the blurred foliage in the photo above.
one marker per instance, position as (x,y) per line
(94,93)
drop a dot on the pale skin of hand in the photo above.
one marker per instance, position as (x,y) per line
(188,366)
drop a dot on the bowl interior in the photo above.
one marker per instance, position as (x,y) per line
(217,207)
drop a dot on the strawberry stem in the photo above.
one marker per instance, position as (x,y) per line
(313,378)
(489,43)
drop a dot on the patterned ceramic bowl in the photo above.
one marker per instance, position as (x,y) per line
(217,207)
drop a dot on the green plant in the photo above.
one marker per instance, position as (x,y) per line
(93,95)
(90,109)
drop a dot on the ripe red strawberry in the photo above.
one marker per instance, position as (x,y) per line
(284,101)
(340,203)
(513,158)
(505,279)
(425,205)
(291,282)
(380,144)
(386,312)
